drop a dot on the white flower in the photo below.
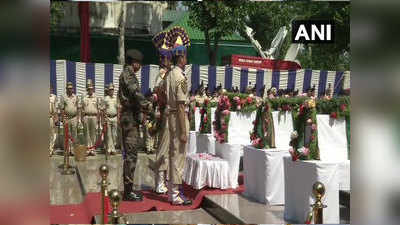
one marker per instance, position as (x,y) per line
(294,135)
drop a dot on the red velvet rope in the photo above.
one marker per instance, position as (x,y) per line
(98,142)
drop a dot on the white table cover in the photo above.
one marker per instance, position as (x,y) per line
(263,175)
(299,179)
(191,147)
(205,143)
(200,172)
(231,154)
(283,126)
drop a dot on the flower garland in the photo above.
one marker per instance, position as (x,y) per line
(205,118)
(222,117)
(242,102)
(306,116)
(263,134)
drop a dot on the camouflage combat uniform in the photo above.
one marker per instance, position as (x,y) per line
(133,104)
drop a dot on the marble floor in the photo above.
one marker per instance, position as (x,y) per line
(248,211)
(71,189)
(230,208)
(198,216)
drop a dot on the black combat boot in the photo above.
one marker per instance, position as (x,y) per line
(130,195)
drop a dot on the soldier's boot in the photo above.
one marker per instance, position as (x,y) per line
(130,195)
(177,197)
(161,188)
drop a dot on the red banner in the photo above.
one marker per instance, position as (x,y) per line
(84,16)
(260,63)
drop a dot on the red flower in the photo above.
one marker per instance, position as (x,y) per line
(343,107)
(334,115)
(249,100)
(301,109)
(206,101)
(266,108)
(312,138)
(202,111)
(243,101)
(205,119)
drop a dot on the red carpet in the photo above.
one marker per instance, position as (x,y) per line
(91,206)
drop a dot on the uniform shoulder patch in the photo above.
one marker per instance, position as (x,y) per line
(183,84)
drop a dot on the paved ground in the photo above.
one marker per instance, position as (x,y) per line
(71,189)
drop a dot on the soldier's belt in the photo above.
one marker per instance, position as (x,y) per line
(172,110)
(68,117)
(95,114)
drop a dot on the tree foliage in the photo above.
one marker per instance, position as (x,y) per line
(217,19)
(267,17)
(56,13)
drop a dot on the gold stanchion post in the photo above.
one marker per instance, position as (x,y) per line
(319,192)
(103,170)
(67,168)
(115,216)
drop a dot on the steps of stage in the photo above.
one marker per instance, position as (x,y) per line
(65,189)
(197,216)
(236,209)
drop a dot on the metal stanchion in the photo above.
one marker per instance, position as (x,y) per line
(67,168)
(319,192)
(115,217)
(103,170)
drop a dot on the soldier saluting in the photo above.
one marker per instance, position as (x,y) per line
(133,104)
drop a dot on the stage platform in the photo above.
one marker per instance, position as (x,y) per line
(74,199)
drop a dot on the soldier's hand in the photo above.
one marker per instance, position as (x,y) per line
(183,138)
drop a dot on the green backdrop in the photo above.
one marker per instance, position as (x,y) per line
(104,49)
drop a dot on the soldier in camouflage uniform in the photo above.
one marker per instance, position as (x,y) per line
(133,104)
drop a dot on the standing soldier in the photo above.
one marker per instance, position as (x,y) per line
(110,105)
(53,120)
(177,99)
(133,104)
(69,106)
(90,116)
(162,158)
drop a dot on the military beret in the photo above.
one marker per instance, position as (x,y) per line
(135,54)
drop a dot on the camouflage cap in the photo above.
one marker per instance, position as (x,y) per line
(135,54)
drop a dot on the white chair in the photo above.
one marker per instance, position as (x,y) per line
(263,168)
(333,170)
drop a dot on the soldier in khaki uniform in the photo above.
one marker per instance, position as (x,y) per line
(53,121)
(110,110)
(90,117)
(177,99)
(70,111)
(162,159)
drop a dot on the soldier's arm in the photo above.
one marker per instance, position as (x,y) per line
(135,92)
(181,97)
